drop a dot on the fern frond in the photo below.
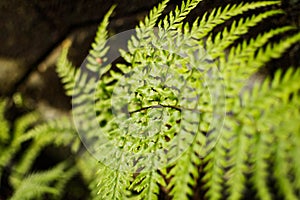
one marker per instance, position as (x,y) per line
(175,19)
(281,89)
(21,126)
(4,125)
(112,184)
(143,39)
(273,51)
(147,185)
(62,129)
(238,54)
(282,167)
(239,131)
(265,135)
(185,172)
(5,155)
(66,71)
(151,19)
(238,63)
(99,47)
(141,109)
(284,128)
(60,186)
(23,123)
(58,132)
(295,139)
(36,185)
(260,176)
(143,33)
(69,74)
(220,15)
(215,169)
(238,148)
(224,39)
(84,85)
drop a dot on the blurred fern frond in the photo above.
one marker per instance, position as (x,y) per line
(21,143)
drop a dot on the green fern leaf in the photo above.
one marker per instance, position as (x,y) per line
(36,185)
(4,125)
(113,183)
(146,184)
(218,16)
